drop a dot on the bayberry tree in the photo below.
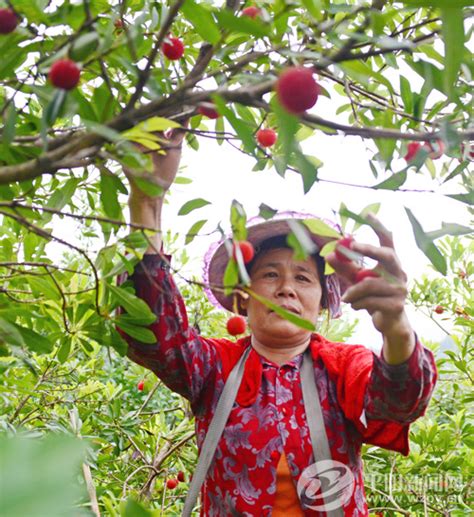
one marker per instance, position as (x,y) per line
(90,87)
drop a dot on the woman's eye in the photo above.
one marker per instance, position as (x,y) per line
(270,274)
(304,278)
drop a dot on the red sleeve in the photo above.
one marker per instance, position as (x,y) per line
(381,400)
(181,358)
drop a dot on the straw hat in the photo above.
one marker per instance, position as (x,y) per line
(258,231)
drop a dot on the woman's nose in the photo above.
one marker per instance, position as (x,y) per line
(286,288)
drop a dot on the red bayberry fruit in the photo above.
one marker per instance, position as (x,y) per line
(118,24)
(181,477)
(246,248)
(365,273)
(208,111)
(173,48)
(140,385)
(266,137)
(439,309)
(412,151)
(345,242)
(64,74)
(171,483)
(8,21)
(297,90)
(236,325)
(251,11)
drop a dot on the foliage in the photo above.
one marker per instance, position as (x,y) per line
(396,72)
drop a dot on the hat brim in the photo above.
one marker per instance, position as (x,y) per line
(217,257)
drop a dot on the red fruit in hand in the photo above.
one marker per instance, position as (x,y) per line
(171,483)
(365,273)
(173,48)
(208,111)
(181,477)
(236,325)
(412,151)
(345,242)
(8,21)
(64,74)
(297,90)
(140,385)
(266,137)
(246,248)
(439,309)
(251,11)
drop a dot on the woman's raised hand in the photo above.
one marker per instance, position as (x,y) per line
(383,297)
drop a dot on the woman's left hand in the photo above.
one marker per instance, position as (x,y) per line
(382,297)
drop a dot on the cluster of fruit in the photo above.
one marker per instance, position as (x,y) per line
(172,483)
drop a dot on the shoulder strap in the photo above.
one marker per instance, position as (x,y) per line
(214,433)
(314,414)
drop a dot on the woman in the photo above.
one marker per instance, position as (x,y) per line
(267,447)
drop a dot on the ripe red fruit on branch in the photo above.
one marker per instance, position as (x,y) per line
(345,242)
(365,273)
(208,111)
(8,21)
(181,477)
(64,74)
(412,151)
(297,90)
(439,309)
(236,325)
(266,137)
(251,11)
(173,48)
(246,248)
(171,483)
(140,385)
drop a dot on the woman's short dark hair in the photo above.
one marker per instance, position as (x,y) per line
(279,242)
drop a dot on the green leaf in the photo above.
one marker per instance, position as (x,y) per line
(62,196)
(133,305)
(105,132)
(266,212)
(238,221)
(449,229)
(453,36)
(308,171)
(438,3)
(9,334)
(315,8)
(194,230)
(464,198)
(202,21)
(243,129)
(139,333)
(287,315)
(300,241)
(83,46)
(9,125)
(231,277)
(319,227)
(109,185)
(369,209)
(394,182)
(287,130)
(64,349)
(243,24)
(135,509)
(194,204)
(407,96)
(34,341)
(148,186)
(426,245)
(157,124)
(33,469)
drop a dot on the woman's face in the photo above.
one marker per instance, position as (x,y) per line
(291,284)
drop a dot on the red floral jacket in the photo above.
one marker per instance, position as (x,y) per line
(363,399)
